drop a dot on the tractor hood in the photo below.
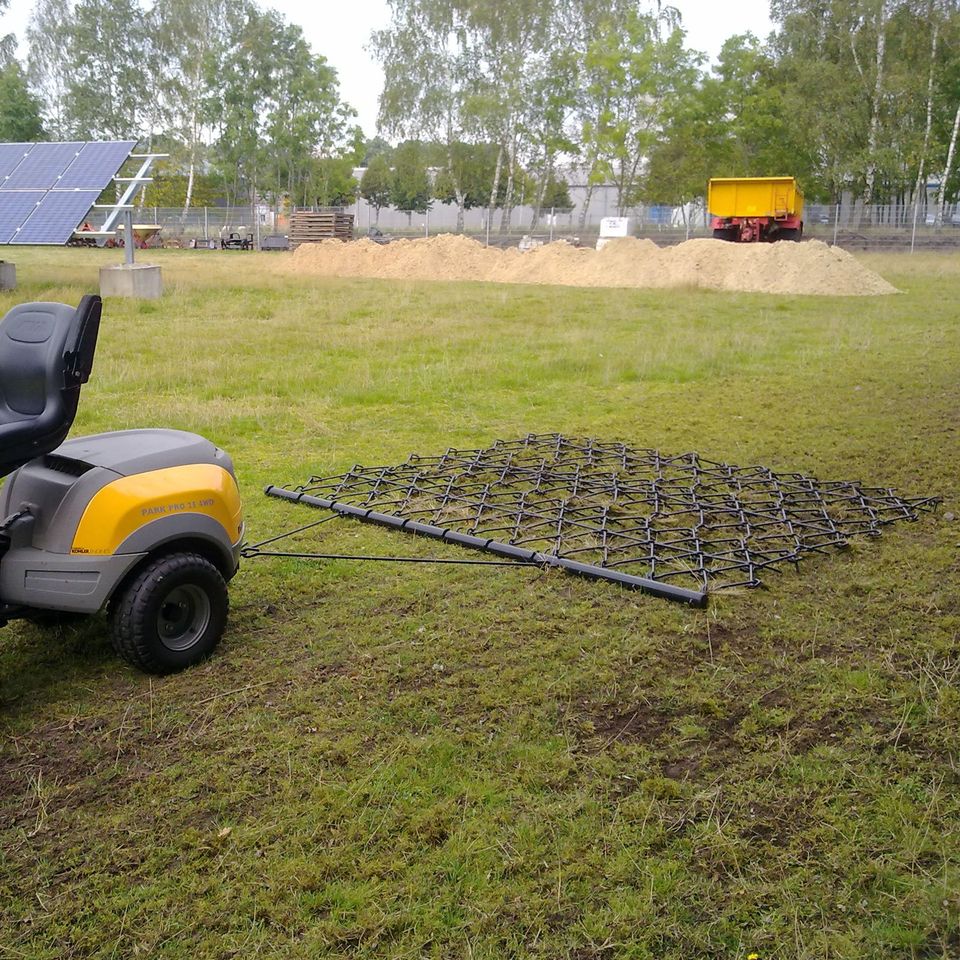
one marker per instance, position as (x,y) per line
(128,452)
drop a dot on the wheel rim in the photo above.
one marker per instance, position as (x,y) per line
(184,616)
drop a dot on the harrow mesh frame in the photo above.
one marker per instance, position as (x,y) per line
(674,525)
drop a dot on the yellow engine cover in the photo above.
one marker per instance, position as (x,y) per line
(125,505)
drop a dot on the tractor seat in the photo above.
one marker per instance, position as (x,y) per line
(46,355)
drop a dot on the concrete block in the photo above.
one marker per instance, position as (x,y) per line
(142,281)
(8,276)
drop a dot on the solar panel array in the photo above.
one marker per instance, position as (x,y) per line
(46,189)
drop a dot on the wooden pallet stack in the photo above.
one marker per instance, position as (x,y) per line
(309,227)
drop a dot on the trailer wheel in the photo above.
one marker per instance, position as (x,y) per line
(171,614)
(725,233)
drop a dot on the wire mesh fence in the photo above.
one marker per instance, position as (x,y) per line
(892,225)
(178,226)
(857,225)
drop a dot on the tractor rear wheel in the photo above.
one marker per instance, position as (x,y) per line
(171,614)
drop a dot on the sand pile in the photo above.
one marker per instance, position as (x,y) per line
(786,268)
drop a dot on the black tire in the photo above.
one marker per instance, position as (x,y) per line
(171,615)
(725,233)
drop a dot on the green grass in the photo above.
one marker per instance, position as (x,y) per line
(422,761)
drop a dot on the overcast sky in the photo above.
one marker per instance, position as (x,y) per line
(339,31)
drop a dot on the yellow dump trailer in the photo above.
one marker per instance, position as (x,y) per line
(751,209)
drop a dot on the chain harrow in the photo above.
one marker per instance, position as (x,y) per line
(613,511)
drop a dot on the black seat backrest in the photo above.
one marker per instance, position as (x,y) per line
(46,355)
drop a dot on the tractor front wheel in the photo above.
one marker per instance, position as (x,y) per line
(171,614)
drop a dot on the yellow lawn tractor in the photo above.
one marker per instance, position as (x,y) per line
(146,524)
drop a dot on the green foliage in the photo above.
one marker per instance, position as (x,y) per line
(304,113)
(107,89)
(169,189)
(332,183)
(189,42)
(8,42)
(410,188)
(227,86)
(48,69)
(694,146)
(556,196)
(429,89)
(377,147)
(376,184)
(282,107)
(849,95)
(19,109)
(854,77)
(464,173)
(638,69)
(478,73)
(611,84)
(763,135)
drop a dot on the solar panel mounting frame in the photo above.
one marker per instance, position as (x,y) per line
(67,173)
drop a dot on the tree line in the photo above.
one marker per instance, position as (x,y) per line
(415,174)
(857,98)
(231,91)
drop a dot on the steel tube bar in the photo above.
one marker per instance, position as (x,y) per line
(695,598)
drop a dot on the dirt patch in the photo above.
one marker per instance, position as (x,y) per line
(779,268)
(644,724)
(720,742)
(684,768)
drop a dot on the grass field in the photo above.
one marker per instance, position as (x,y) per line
(427,761)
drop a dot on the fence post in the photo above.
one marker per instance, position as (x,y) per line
(836,222)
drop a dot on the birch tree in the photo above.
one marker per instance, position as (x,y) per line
(950,94)
(934,23)
(8,42)
(47,68)
(107,89)
(635,63)
(19,109)
(430,78)
(882,19)
(190,42)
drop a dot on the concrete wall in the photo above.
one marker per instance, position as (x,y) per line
(443,217)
